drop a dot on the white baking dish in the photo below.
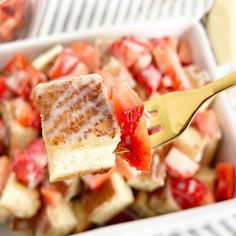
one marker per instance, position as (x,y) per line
(195,34)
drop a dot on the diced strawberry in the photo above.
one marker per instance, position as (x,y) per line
(166,84)
(180,165)
(18,62)
(26,171)
(108,81)
(141,63)
(87,54)
(4,171)
(26,115)
(37,152)
(80,69)
(22,77)
(140,148)
(95,181)
(128,107)
(4,91)
(225,181)
(171,42)
(207,122)
(29,164)
(188,192)
(64,64)
(125,169)
(51,196)
(129,50)
(36,77)
(185,53)
(36,122)
(23,112)
(149,78)
(168,62)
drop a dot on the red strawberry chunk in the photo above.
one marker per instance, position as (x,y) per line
(29,164)
(26,115)
(22,77)
(4,171)
(64,64)
(225,182)
(141,63)
(188,192)
(87,54)
(169,41)
(127,171)
(23,112)
(4,91)
(149,78)
(128,50)
(26,171)
(128,107)
(36,122)
(95,181)
(185,53)
(140,148)
(207,122)
(37,152)
(168,62)
(36,77)
(51,196)
(19,62)
(180,165)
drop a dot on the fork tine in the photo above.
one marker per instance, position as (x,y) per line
(150,106)
(158,138)
(154,121)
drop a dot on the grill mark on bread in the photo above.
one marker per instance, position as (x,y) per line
(79,123)
(47,98)
(64,100)
(75,126)
(73,108)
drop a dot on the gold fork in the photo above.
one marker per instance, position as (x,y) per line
(173,112)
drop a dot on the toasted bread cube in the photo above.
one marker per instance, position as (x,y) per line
(179,164)
(80,129)
(192,143)
(141,206)
(162,200)
(73,187)
(211,148)
(107,201)
(62,219)
(56,221)
(153,180)
(82,218)
(43,60)
(20,200)
(208,176)
(19,137)
(22,227)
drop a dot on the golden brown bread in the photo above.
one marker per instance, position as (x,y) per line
(79,126)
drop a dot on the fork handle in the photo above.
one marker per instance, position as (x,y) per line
(224,83)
